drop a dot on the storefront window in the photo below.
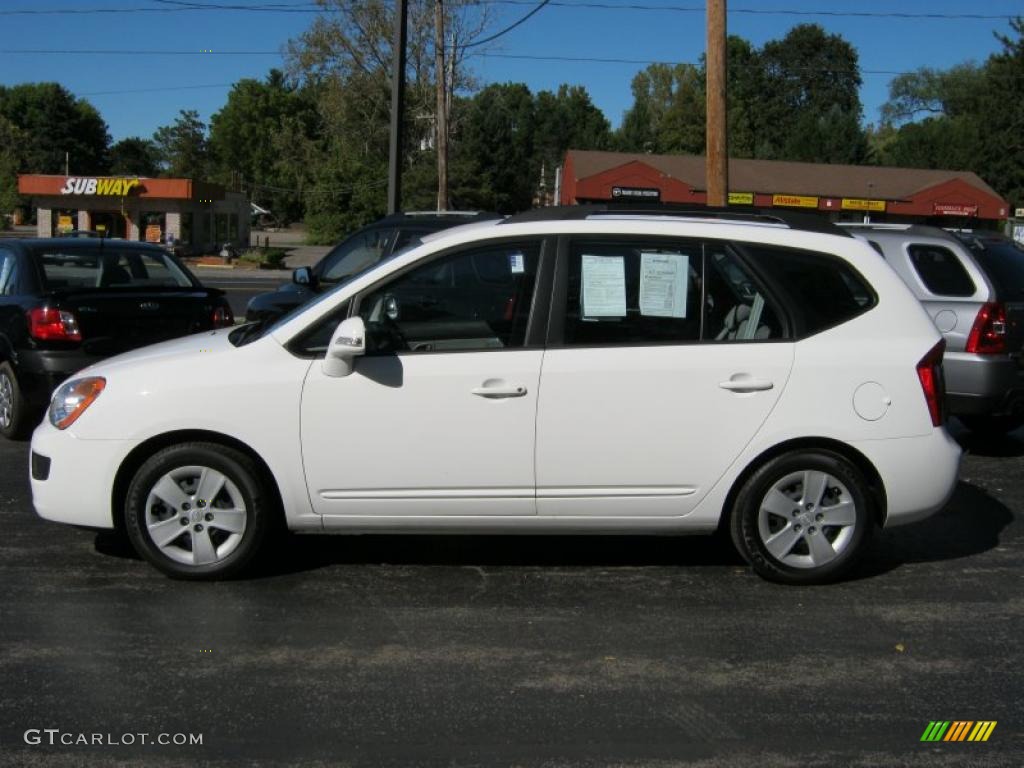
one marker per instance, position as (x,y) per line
(154,224)
(64,220)
(233,228)
(185,229)
(221,227)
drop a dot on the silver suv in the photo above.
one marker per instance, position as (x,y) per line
(972,285)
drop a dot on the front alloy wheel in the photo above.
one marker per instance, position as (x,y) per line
(803,518)
(14,416)
(198,511)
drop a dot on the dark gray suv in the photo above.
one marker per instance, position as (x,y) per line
(972,285)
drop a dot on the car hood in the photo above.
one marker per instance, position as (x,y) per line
(200,344)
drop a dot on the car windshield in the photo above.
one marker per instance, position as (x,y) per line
(109,269)
(1003,260)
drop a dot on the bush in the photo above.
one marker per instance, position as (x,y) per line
(266,258)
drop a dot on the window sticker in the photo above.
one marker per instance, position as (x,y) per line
(516,263)
(664,278)
(603,286)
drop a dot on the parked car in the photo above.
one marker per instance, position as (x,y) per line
(67,302)
(582,370)
(972,285)
(366,247)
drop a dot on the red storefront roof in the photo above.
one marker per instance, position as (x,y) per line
(680,178)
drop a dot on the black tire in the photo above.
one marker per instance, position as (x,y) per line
(992,426)
(18,422)
(243,479)
(847,542)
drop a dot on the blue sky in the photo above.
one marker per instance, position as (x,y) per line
(134,92)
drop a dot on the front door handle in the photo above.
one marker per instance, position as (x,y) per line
(498,391)
(744,382)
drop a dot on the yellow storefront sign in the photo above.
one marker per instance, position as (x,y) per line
(795,201)
(855,204)
(741,198)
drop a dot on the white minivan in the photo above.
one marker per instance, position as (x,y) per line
(593,369)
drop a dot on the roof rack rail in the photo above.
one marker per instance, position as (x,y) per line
(792,219)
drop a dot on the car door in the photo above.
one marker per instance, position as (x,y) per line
(666,357)
(437,419)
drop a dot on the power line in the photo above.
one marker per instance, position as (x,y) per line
(607,6)
(154,90)
(181,6)
(133,52)
(509,28)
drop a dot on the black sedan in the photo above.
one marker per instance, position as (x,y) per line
(369,245)
(68,302)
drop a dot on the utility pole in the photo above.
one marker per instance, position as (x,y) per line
(717,168)
(397,108)
(441,123)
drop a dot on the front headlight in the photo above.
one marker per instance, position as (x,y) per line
(72,398)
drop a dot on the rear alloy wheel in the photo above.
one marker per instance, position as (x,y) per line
(14,411)
(198,511)
(803,518)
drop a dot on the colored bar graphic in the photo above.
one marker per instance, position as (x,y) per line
(935,730)
(958,730)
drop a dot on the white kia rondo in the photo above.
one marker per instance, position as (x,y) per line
(580,370)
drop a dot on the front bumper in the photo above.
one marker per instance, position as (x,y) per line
(79,484)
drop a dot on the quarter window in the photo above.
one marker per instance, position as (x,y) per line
(821,291)
(941,271)
(471,300)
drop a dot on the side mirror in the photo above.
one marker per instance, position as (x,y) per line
(347,343)
(303,276)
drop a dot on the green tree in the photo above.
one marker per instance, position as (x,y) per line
(56,123)
(497,141)
(12,158)
(134,156)
(245,142)
(668,112)
(809,108)
(182,147)
(565,119)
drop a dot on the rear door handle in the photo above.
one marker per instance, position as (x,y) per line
(495,392)
(744,382)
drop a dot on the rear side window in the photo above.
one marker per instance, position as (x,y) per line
(821,291)
(941,270)
(111,269)
(633,293)
(1003,262)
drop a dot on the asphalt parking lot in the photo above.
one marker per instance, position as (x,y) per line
(585,651)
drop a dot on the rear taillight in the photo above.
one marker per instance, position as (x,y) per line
(929,371)
(988,334)
(49,324)
(222,317)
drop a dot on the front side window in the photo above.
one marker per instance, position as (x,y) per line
(362,250)
(629,292)
(941,271)
(471,300)
(108,268)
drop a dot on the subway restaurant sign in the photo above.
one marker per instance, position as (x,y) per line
(79,185)
(741,198)
(795,201)
(853,204)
